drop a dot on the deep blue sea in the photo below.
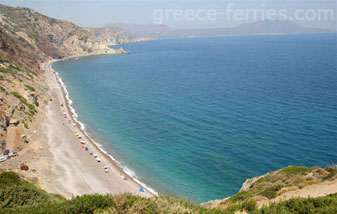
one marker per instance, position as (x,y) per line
(196,117)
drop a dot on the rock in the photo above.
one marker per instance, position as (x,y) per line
(24,167)
(250,182)
(24,138)
(34,100)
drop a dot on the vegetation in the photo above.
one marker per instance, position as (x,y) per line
(24,101)
(18,196)
(15,192)
(276,183)
(30,88)
(295,170)
(321,205)
(3,59)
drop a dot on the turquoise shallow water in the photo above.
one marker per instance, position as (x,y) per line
(196,117)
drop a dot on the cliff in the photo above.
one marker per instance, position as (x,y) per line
(27,39)
(115,35)
(30,37)
(282,185)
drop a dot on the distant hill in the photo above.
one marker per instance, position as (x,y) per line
(266,27)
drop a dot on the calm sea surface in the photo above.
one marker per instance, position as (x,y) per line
(196,117)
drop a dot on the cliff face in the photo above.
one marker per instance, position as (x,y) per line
(22,94)
(115,35)
(30,37)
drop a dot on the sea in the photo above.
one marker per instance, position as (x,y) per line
(196,117)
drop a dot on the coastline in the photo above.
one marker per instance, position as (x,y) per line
(123,181)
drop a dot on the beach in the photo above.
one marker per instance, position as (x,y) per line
(61,162)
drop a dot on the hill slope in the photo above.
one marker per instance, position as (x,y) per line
(27,39)
(266,27)
(20,197)
(30,37)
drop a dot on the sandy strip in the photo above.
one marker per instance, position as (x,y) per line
(75,171)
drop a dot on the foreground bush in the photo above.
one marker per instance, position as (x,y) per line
(20,197)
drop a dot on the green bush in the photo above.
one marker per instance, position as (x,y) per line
(24,101)
(15,192)
(321,205)
(30,88)
(271,191)
(292,170)
(20,197)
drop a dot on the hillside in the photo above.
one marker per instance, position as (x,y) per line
(30,37)
(21,197)
(115,35)
(283,184)
(265,27)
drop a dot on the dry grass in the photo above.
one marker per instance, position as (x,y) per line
(306,183)
(286,189)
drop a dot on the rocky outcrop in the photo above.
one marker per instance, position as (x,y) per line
(115,35)
(30,38)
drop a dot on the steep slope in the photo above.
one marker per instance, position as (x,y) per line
(283,184)
(30,37)
(22,96)
(115,35)
(18,196)
(27,39)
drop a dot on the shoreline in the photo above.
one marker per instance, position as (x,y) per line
(47,67)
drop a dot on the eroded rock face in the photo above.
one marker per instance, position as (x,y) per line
(249,183)
(30,38)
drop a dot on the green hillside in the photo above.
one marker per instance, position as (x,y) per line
(21,197)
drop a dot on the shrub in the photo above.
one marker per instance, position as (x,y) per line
(271,192)
(292,170)
(24,101)
(30,88)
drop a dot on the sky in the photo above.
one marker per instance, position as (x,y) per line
(98,13)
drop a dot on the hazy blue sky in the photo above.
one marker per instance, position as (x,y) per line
(96,13)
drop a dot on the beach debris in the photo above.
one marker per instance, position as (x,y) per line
(24,167)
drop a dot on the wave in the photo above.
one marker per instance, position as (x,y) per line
(125,169)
